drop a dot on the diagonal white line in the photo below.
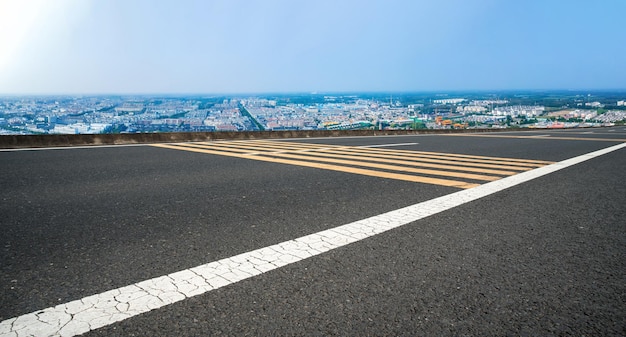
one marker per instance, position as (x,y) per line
(387,145)
(92,312)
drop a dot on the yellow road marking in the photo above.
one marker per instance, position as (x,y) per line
(414,153)
(493,163)
(405,177)
(265,148)
(323,156)
(423,162)
(443,158)
(367,164)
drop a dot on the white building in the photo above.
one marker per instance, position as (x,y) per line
(449,101)
(519,110)
(594,104)
(472,109)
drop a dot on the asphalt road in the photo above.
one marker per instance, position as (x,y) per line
(547,257)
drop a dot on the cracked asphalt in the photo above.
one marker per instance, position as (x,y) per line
(546,257)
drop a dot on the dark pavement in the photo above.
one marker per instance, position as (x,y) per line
(547,257)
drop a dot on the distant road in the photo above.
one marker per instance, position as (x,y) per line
(469,234)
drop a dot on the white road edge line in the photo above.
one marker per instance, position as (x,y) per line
(387,145)
(95,146)
(127,145)
(92,312)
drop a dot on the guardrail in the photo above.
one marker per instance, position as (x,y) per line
(25,141)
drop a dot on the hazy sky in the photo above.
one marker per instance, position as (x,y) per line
(235,46)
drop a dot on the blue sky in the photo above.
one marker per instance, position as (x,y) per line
(235,46)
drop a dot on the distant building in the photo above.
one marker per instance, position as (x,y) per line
(514,111)
(594,104)
(487,102)
(449,101)
(472,109)
(130,107)
(226,127)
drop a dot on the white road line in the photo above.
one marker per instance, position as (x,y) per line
(387,145)
(280,151)
(313,149)
(126,145)
(92,312)
(95,146)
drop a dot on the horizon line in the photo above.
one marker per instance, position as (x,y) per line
(315,92)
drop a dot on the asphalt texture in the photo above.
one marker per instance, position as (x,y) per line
(547,257)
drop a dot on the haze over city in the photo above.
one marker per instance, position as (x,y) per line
(144,47)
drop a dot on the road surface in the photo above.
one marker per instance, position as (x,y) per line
(469,234)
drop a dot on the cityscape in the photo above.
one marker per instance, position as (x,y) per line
(22,115)
(295,168)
